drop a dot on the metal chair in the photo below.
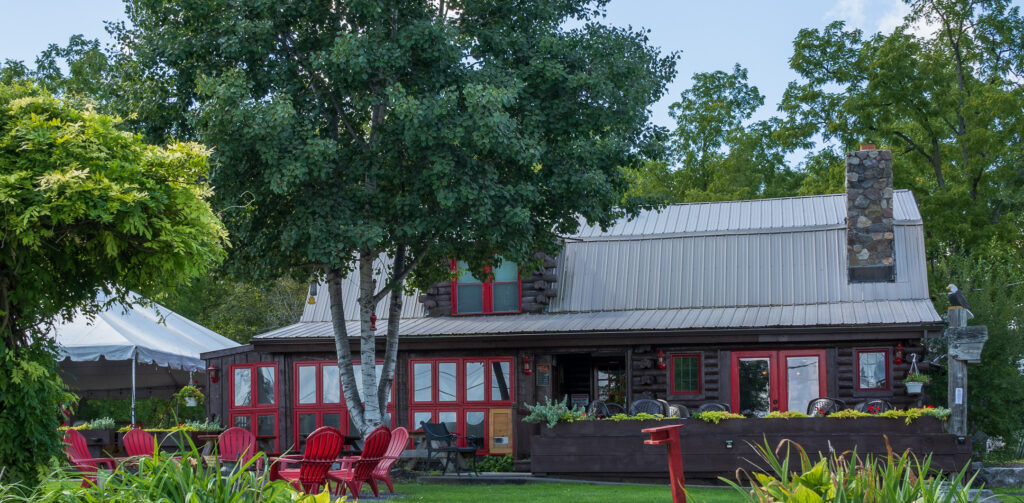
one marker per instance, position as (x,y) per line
(647,406)
(875,406)
(716,407)
(824,406)
(678,410)
(614,408)
(447,445)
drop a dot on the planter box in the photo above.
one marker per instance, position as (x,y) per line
(610,450)
(99,441)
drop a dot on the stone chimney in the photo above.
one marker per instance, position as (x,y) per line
(869,223)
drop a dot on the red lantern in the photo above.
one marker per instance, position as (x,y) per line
(899,354)
(527,369)
(212,371)
(373,321)
(661,360)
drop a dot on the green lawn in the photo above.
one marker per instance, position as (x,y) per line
(557,493)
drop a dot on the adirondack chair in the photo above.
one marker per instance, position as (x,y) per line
(447,444)
(139,442)
(238,446)
(78,455)
(357,470)
(399,437)
(322,449)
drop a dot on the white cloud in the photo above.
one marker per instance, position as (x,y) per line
(874,16)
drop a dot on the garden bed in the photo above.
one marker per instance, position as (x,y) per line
(615,450)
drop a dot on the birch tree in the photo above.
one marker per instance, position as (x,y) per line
(408,131)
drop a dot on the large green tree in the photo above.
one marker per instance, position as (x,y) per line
(412,130)
(85,206)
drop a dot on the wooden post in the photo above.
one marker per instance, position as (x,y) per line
(965,345)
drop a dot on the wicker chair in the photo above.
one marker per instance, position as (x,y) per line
(614,408)
(873,406)
(678,410)
(598,409)
(716,407)
(824,406)
(647,406)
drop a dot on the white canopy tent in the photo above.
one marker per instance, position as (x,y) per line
(159,345)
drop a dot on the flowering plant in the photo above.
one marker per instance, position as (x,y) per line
(190,391)
(918,377)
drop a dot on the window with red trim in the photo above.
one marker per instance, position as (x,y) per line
(873,370)
(320,401)
(459,392)
(253,402)
(501,292)
(685,374)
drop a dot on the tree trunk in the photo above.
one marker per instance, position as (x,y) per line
(368,344)
(387,374)
(344,351)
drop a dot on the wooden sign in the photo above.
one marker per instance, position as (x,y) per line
(966,343)
(543,375)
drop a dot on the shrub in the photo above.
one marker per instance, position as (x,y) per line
(918,377)
(845,477)
(103,423)
(155,412)
(643,416)
(553,413)
(496,464)
(790,414)
(714,416)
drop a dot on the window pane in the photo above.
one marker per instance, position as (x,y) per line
(686,374)
(266,386)
(450,419)
(421,417)
(265,425)
(331,384)
(470,298)
(447,382)
(307,424)
(464,275)
(242,422)
(872,370)
(422,382)
(243,387)
(307,384)
(505,297)
(754,386)
(474,381)
(332,420)
(802,384)
(507,271)
(475,425)
(499,381)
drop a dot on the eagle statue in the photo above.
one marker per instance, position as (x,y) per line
(957,297)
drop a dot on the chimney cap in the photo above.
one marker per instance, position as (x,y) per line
(867,146)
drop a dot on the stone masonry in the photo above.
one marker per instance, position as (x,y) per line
(869,220)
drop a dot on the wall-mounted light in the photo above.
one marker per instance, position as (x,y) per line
(527,369)
(899,354)
(728,444)
(312,292)
(212,372)
(661,360)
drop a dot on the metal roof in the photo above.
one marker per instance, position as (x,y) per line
(742,264)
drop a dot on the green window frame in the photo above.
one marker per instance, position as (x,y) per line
(686,376)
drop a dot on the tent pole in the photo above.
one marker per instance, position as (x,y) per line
(135,358)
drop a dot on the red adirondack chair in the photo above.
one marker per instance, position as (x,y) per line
(139,442)
(80,458)
(356,470)
(399,437)
(237,445)
(322,449)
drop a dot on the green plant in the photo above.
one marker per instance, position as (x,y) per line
(643,416)
(789,414)
(918,377)
(155,412)
(715,416)
(849,414)
(553,413)
(190,391)
(496,464)
(103,423)
(845,477)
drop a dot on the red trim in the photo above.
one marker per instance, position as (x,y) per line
(255,409)
(888,371)
(783,373)
(319,407)
(487,292)
(777,380)
(672,373)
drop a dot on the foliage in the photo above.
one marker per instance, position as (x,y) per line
(103,423)
(553,413)
(187,426)
(643,416)
(547,492)
(918,377)
(496,464)
(907,415)
(849,414)
(715,416)
(149,412)
(190,391)
(789,414)
(846,477)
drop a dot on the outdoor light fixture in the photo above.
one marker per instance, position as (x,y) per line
(312,292)
(212,371)
(373,321)
(527,370)
(728,444)
(899,354)
(661,360)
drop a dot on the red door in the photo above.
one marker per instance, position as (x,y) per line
(765,381)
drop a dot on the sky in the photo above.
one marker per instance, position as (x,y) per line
(711,35)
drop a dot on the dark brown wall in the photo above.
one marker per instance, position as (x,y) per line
(538,288)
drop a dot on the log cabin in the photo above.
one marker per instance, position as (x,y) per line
(760,305)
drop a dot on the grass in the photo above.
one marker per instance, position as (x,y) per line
(1004,494)
(558,493)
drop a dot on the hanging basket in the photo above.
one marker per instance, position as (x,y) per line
(191,401)
(914,388)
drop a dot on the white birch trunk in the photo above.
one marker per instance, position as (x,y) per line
(344,351)
(372,417)
(387,374)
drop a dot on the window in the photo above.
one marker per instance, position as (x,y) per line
(258,413)
(500,293)
(873,370)
(460,392)
(685,371)
(319,398)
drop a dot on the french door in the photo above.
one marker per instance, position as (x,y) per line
(764,381)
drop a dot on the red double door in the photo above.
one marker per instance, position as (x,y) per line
(765,381)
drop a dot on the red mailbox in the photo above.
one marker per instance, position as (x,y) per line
(669,437)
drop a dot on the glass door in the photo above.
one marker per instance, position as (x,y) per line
(765,381)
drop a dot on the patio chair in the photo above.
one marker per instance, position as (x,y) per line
(238,445)
(447,445)
(716,407)
(678,410)
(646,406)
(399,439)
(355,471)
(322,449)
(139,442)
(614,408)
(824,406)
(78,455)
(875,406)
(598,409)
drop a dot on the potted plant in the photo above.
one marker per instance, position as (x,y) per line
(914,382)
(190,395)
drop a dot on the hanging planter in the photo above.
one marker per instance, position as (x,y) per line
(915,380)
(914,387)
(191,401)
(190,395)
